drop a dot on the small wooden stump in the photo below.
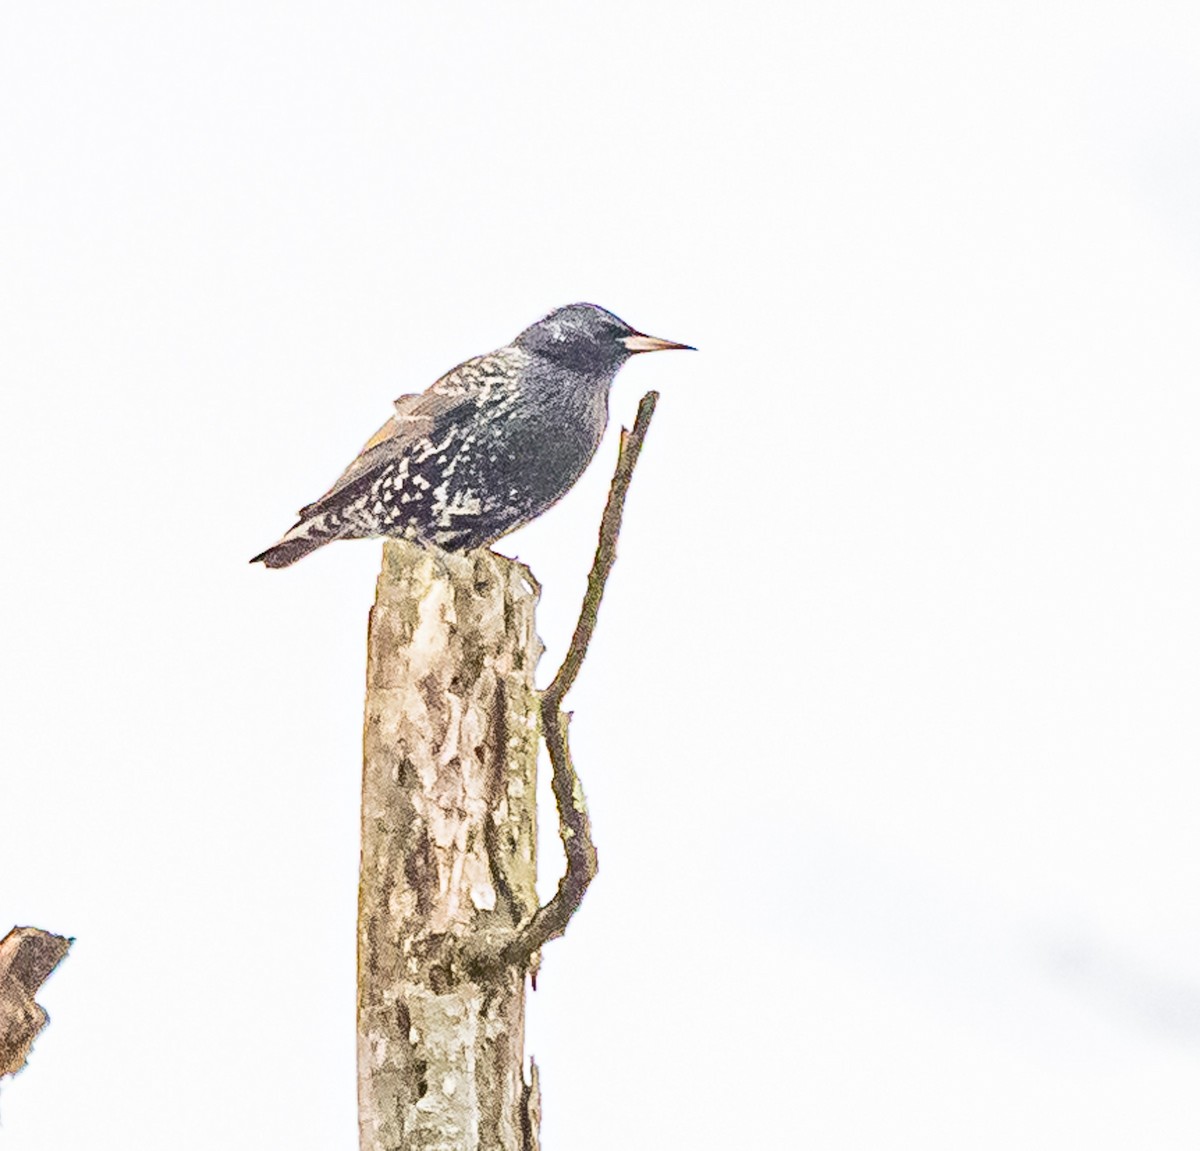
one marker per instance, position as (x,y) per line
(27,957)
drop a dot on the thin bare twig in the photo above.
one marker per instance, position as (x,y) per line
(606,553)
(574,826)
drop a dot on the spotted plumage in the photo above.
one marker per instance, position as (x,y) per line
(488,447)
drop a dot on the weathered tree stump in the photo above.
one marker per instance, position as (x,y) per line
(449,924)
(448,851)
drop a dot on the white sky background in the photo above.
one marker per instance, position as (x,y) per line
(890,729)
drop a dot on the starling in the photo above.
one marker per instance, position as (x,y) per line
(487,448)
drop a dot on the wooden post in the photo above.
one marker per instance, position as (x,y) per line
(448,851)
(448,918)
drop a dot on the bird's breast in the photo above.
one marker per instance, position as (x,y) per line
(529,448)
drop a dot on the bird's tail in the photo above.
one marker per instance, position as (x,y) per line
(305,537)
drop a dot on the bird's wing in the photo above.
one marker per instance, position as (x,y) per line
(415,419)
(417,416)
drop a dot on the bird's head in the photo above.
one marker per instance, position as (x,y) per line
(588,338)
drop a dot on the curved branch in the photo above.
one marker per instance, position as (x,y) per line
(574,827)
(575,830)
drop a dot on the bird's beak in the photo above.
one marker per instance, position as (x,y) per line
(639,343)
